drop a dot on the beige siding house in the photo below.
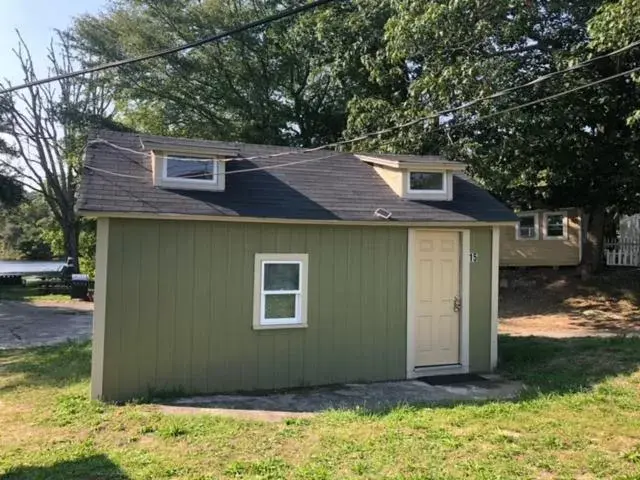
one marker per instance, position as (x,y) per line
(543,238)
(224,268)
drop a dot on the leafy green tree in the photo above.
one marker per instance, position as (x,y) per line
(576,150)
(615,25)
(25,230)
(269,85)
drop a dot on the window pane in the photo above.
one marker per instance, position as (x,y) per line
(281,276)
(527,227)
(280,306)
(426,181)
(555,225)
(181,167)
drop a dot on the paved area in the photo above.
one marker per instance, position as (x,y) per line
(374,396)
(24,324)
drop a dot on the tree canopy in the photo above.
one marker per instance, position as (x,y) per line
(573,151)
(364,65)
(269,85)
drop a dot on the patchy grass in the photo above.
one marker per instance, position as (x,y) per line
(579,418)
(30,294)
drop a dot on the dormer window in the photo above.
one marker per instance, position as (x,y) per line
(426,182)
(427,185)
(190,169)
(414,177)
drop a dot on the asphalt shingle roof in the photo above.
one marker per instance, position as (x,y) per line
(337,188)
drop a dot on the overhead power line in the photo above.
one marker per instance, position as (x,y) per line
(168,51)
(468,121)
(451,110)
(225,173)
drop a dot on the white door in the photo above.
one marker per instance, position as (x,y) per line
(437,298)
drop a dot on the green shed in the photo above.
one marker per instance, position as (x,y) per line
(226,267)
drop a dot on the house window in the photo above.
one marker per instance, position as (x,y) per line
(527,228)
(555,226)
(281,290)
(426,181)
(190,170)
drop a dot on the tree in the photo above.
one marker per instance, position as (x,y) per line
(576,150)
(10,191)
(268,85)
(47,127)
(615,25)
(26,230)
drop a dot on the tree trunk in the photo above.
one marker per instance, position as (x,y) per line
(593,246)
(71,233)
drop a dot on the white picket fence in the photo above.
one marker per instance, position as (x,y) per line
(622,254)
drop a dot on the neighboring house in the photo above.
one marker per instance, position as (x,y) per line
(222,276)
(543,238)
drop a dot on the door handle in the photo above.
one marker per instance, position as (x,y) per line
(457,304)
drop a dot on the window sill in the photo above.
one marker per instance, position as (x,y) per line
(280,326)
(211,186)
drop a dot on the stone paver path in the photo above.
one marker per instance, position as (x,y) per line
(24,324)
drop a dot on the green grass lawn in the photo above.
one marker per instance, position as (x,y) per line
(580,418)
(30,294)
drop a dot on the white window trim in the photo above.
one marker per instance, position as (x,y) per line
(443,194)
(536,225)
(190,181)
(565,225)
(300,320)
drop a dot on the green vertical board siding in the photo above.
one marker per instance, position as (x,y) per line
(480,301)
(179,307)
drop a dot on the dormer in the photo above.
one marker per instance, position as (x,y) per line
(188,167)
(414,177)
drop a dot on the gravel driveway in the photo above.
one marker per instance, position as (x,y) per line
(25,324)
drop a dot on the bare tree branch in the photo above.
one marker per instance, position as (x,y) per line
(47,127)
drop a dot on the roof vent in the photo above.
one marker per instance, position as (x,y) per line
(382,213)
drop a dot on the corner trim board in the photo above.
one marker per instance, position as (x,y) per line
(495,290)
(99,314)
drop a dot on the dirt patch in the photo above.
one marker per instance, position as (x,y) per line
(557,303)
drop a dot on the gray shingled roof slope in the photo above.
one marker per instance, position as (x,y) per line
(338,188)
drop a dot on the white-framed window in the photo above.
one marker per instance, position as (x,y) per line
(555,226)
(421,182)
(427,185)
(280,297)
(190,170)
(527,227)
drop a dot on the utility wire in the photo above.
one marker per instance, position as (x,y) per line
(232,172)
(168,51)
(454,125)
(451,110)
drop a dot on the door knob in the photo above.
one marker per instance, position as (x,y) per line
(457,304)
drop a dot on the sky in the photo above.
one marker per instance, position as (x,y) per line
(36,20)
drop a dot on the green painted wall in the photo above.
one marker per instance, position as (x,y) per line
(178,306)
(480,301)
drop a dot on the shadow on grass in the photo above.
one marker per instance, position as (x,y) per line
(609,301)
(93,467)
(549,366)
(50,366)
(566,365)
